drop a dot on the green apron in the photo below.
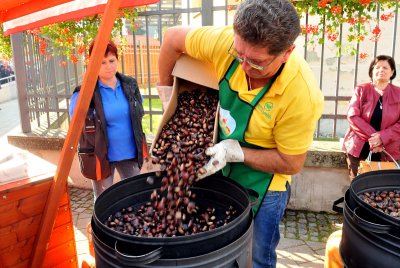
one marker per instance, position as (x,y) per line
(234,119)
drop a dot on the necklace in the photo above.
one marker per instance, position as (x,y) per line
(250,87)
(380,103)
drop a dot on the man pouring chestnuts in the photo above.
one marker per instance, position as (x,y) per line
(269,105)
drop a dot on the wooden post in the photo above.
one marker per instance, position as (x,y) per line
(74,132)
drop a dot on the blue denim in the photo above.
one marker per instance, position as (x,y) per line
(266,228)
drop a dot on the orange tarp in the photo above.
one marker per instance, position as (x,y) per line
(11,9)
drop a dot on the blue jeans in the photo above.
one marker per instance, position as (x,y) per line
(266,228)
(125,168)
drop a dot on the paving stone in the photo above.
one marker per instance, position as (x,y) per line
(303,236)
(301,215)
(316,245)
(286,243)
(302,231)
(333,217)
(302,225)
(314,234)
(312,219)
(291,230)
(291,235)
(80,209)
(325,233)
(290,212)
(303,220)
(311,264)
(312,225)
(285,261)
(314,238)
(291,224)
(310,215)
(321,253)
(291,218)
(301,254)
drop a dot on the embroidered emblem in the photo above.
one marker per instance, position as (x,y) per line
(266,109)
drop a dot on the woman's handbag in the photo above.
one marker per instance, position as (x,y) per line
(368,165)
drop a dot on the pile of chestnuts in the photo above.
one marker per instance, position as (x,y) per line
(180,154)
(387,202)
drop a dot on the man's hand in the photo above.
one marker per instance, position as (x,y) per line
(164,92)
(223,152)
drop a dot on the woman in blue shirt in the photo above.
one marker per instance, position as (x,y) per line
(112,137)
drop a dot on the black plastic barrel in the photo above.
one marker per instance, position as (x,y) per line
(233,255)
(225,246)
(370,237)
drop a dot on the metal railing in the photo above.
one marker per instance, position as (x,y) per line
(47,87)
(8,79)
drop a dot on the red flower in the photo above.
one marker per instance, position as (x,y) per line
(376,33)
(365,2)
(352,21)
(309,29)
(364,20)
(81,49)
(336,9)
(42,46)
(332,37)
(363,56)
(386,17)
(376,30)
(73,58)
(322,3)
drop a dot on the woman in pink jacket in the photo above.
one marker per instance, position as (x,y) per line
(374,117)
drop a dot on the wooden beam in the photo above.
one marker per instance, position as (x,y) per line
(74,132)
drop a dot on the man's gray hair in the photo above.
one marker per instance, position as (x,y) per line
(273,24)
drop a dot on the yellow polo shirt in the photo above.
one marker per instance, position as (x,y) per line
(286,117)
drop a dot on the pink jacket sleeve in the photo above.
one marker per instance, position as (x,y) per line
(358,122)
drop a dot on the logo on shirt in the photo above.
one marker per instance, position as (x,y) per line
(266,109)
(226,122)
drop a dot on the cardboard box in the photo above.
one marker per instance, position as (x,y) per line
(189,74)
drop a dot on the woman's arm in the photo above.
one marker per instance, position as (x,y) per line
(354,116)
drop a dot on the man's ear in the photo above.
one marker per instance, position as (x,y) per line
(288,52)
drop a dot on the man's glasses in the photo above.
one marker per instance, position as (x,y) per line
(232,52)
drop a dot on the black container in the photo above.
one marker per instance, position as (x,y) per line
(132,251)
(234,255)
(376,181)
(370,238)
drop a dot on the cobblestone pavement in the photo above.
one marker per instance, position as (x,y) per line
(303,233)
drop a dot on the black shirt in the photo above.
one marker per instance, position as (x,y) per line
(376,120)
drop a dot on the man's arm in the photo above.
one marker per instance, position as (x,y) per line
(266,160)
(172,47)
(273,161)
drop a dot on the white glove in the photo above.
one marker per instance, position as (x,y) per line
(164,92)
(221,153)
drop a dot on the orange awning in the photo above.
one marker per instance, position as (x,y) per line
(67,10)
(11,9)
